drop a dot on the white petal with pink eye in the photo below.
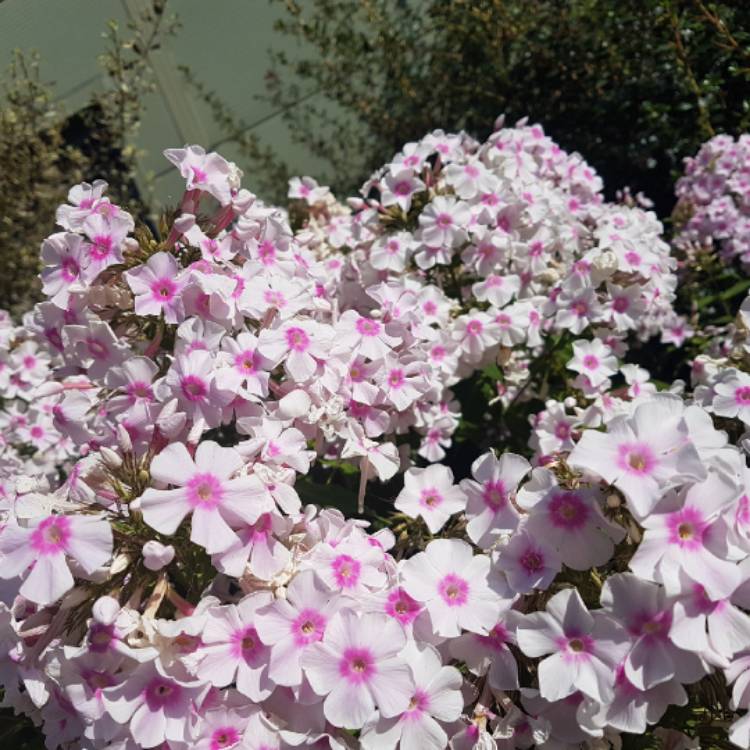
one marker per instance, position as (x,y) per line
(320,663)
(210,530)
(48,580)
(220,461)
(173,465)
(392,687)
(90,542)
(17,553)
(422,733)
(164,510)
(148,727)
(348,706)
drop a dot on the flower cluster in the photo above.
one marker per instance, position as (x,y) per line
(713,206)
(170,405)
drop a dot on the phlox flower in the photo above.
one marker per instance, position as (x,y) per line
(153,704)
(571,521)
(437,698)
(307,189)
(528,562)
(490,493)
(290,625)
(631,709)
(65,257)
(594,360)
(475,333)
(397,188)
(684,534)
(204,489)
(704,625)
(431,495)
(489,654)
(584,647)
(353,566)
(357,667)
(402,382)
(157,286)
(646,612)
(642,454)
(209,172)
(362,335)
(44,546)
(223,727)
(732,396)
(392,252)
(577,307)
(106,235)
(300,344)
(231,651)
(95,347)
(442,222)
(192,381)
(497,290)
(258,548)
(457,587)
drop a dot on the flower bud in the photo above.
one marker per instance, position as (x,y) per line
(109,458)
(156,555)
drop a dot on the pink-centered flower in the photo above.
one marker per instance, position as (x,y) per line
(357,667)
(45,545)
(685,534)
(643,454)
(437,700)
(232,651)
(584,647)
(456,586)
(431,495)
(490,494)
(205,490)
(292,624)
(157,286)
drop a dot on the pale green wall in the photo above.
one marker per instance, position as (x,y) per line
(225,42)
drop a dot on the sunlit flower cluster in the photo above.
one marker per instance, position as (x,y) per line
(713,208)
(165,581)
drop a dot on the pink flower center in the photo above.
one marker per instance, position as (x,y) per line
(579,645)
(636,458)
(568,511)
(496,639)
(580,308)
(418,704)
(247,643)
(70,270)
(742,395)
(161,693)
(590,362)
(444,220)
(396,378)
(297,340)
(402,607)
(402,188)
(367,327)
(454,590)
(193,388)
(245,362)
(686,528)
(532,560)
(620,304)
(346,571)
(357,665)
(471,171)
(495,495)
(474,327)
(140,391)
(308,627)
(562,430)
(163,290)
(52,535)
(430,498)
(204,490)
(267,252)
(224,737)
(101,247)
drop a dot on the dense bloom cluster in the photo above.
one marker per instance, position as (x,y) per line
(713,208)
(165,584)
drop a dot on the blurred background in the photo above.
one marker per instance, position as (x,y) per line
(333,88)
